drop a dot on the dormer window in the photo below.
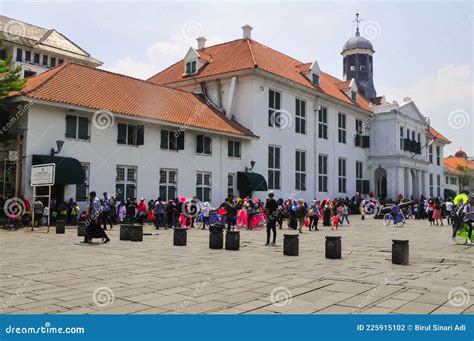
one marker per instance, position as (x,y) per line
(354,96)
(191,68)
(315,79)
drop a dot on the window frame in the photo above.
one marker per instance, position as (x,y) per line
(322,173)
(274,108)
(77,136)
(231,183)
(438,155)
(402,132)
(300,116)
(126,182)
(341,175)
(201,150)
(323,123)
(274,168)
(167,184)
(132,134)
(341,127)
(232,150)
(86,166)
(203,186)
(300,170)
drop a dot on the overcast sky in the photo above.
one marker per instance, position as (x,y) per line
(424,50)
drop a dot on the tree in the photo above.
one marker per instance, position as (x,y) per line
(10,80)
(467,176)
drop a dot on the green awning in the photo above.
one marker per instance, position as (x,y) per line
(449,193)
(68,171)
(249,182)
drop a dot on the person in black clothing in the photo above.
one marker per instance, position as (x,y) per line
(272,211)
(169,214)
(231,213)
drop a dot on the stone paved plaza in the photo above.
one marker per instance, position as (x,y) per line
(43,273)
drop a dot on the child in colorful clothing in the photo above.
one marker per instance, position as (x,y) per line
(335,221)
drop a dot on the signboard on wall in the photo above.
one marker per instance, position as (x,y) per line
(43,175)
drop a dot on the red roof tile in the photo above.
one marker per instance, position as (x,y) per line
(93,88)
(456,162)
(436,135)
(243,54)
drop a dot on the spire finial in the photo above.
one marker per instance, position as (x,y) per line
(357,21)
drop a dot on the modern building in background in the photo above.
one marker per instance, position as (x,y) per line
(235,118)
(37,49)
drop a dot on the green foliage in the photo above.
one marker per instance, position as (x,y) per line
(10,80)
(466,177)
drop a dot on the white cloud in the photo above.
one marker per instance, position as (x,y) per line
(450,89)
(160,55)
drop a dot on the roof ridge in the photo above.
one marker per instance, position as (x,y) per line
(45,36)
(255,64)
(24,22)
(56,70)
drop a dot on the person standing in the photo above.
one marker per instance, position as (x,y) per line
(94,229)
(142,211)
(159,214)
(38,208)
(169,214)
(271,211)
(301,215)
(205,213)
(449,209)
(344,214)
(106,208)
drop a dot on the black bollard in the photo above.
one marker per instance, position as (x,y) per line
(125,231)
(291,245)
(333,247)
(136,233)
(232,240)
(81,229)
(60,226)
(179,237)
(216,236)
(400,252)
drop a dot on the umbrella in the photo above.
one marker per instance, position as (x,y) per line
(460,199)
(182,199)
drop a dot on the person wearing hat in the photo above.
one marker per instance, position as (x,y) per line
(205,211)
(271,211)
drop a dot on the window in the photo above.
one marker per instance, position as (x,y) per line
(352,68)
(36,58)
(230,183)
(447,180)
(77,127)
(419,138)
(45,60)
(323,123)
(341,171)
(203,145)
(130,134)
(430,153)
(171,140)
(358,127)
(322,173)
(126,182)
(315,79)
(300,171)
(233,149)
(438,185)
(82,190)
(354,96)
(28,56)
(28,73)
(3,54)
(203,186)
(359,176)
(191,67)
(168,184)
(53,61)
(341,128)
(19,55)
(431,185)
(273,167)
(454,181)
(438,155)
(60,61)
(413,135)
(274,106)
(401,138)
(300,116)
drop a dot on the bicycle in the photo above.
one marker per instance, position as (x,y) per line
(398,221)
(214,217)
(457,217)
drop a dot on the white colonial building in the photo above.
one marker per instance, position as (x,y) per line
(234,118)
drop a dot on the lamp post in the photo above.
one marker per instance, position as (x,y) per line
(59,145)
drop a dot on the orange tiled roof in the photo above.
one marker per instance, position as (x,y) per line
(243,54)
(436,135)
(454,162)
(93,88)
(452,170)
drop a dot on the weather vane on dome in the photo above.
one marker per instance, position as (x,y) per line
(357,21)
